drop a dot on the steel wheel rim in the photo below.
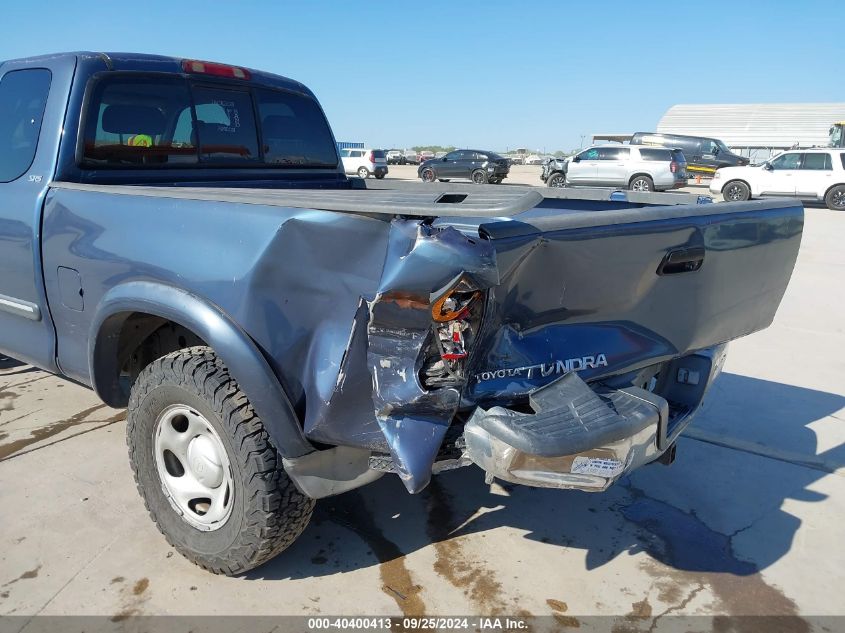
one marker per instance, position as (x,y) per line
(733,193)
(193,467)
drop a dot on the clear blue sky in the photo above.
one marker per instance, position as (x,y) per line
(491,74)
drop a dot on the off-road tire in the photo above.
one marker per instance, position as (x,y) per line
(835,198)
(736,191)
(268,512)
(479,177)
(647,184)
(556,180)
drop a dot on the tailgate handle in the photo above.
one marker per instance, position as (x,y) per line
(682,260)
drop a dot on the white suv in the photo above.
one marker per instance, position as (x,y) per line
(364,162)
(809,174)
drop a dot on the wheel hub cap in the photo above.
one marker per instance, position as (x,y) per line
(204,461)
(193,467)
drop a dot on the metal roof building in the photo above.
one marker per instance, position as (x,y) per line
(755,126)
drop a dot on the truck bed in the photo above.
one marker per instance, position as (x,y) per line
(399,198)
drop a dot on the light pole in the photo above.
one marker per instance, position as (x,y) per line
(582,141)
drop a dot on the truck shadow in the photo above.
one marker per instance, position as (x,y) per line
(9,363)
(685,517)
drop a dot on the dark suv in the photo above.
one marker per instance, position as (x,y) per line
(479,166)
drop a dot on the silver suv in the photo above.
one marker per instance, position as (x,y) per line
(634,167)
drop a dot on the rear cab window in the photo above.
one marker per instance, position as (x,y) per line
(135,120)
(23,97)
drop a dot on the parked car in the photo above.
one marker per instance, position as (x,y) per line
(411,157)
(534,159)
(395,157)
(279,333)
(816,174)
(426,155)
(479,166)
(704,155)
(364,162)
(634,167)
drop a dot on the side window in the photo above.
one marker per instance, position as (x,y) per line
(344,153)
(614,153)
(817,161)
(655,154)
(590,154)
(787,161)
(452,156)
(709,147)
(23,97)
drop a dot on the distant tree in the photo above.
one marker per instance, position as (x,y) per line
(560,154)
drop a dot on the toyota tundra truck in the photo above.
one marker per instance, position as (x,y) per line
(179,236)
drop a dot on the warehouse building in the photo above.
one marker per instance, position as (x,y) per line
(759,129)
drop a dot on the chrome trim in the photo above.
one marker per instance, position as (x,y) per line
(20,308)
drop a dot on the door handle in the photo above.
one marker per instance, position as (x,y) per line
(682,260)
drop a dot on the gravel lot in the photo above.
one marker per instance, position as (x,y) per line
(747,521)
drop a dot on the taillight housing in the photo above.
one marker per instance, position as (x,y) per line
(372,157)
(673,167)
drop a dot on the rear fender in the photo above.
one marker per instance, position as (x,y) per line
(236,349)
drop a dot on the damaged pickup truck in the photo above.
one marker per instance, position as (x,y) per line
(180,237)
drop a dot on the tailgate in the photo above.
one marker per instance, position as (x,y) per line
(628,290)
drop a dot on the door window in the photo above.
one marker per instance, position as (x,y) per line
(786,161)
(590,154)
(818,161)
(452,156)
(614,153)
(23,96)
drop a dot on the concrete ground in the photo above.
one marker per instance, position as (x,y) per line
(749,519)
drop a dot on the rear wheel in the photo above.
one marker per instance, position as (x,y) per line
(494,181)
(205,468)
(479,177)
(835,198)
(736,191)
(641,183)
(379,176)
(428,175)
(556,180)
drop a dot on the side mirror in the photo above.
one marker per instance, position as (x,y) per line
(768,167)
(576,159)
(445,160)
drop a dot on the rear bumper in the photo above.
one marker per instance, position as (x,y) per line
(586,439)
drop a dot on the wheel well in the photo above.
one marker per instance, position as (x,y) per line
(649,176)
(127,343)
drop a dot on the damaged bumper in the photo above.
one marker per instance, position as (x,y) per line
(577,437)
